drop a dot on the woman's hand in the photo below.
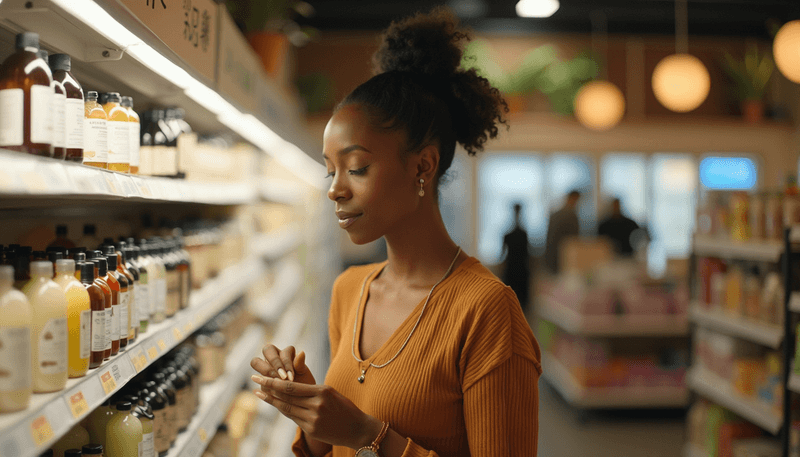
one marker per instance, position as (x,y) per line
(323,413)
(284,364)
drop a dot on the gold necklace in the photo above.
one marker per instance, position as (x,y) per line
(355,324)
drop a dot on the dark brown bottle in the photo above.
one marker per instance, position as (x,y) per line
(118,284)
(61,66)
(26,93)
(101,266)
(98,303)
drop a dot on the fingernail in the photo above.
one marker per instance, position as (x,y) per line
(257,379)
(291,376)
(260,394)
(282,372)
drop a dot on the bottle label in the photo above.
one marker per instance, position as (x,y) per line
(12,109)
(134,143)
(109,326)
(115,314)
(86,333)
(173,291)
(185,289)
(42,114)
(59,120)
(98,331)
(95,138)
(142,305)
(73,113)
(161,293)
(53,346)
(124,324)
(15,358)
(148,445)
(133,318)
(118,142)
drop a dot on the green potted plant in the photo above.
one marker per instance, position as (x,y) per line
(750,77)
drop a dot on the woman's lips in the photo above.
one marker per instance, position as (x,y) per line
(348,221)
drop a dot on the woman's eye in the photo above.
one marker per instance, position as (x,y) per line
(329,175)
(360,171)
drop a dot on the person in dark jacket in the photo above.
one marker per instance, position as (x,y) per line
(563,224)
(618,229)
(517,271)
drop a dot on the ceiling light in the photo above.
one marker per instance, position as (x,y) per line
(681,82)
(537,8)
(786,49)
(599,105)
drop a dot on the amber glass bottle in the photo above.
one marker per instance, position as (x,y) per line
(101,266)
(98,302)
(61,66)
(95,132)
(118,283)
(26,94)
(118,133)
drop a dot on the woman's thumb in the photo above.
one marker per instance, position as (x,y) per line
(300,363)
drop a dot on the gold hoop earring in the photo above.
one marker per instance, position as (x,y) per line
(421,190)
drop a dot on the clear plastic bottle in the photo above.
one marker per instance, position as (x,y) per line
(49,304)
(79,318)
(16,320)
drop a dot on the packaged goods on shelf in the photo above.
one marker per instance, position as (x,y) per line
(16,320)
(715,431)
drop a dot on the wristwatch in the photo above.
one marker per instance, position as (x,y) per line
(372,449)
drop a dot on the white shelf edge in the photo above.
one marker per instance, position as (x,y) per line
(287,283)
(281,191)
(719,391)
(160,339)
(29,176)
(613,397)
(794,302)
(767,251)
(283,432)
(794,383)
(611,325)
(770,335)
(215,398)
(279,243)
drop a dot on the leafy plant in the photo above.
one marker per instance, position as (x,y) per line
(278,16)
(751,75)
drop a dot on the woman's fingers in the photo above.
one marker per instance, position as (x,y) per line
(288,406)
(273,357)
(287,358)
(263,367)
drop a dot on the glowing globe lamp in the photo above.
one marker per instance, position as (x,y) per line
(786,49)
(681,82)
(599,105)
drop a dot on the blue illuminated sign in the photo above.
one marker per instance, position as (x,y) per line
(728,173)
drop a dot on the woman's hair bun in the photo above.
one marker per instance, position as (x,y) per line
(429,44)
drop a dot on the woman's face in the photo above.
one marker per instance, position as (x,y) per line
(373,189)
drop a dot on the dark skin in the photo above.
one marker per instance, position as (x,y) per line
(375,184)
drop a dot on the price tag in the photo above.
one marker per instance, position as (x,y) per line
(176,332)
(152,353)
(162,345)
(187,329)
(139,360)
(109,384)
(128,187)
(41,431)
(144,189)
(112,185)
(78,405)
(202,434)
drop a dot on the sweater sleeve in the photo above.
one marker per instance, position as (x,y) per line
(300,449)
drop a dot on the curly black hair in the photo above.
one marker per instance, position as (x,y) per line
(420,87)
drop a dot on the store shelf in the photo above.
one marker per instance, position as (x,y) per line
(611,325)
(278,243)
(794,302)
(283,432)
(758,332)
(282,191)
(216,398)
(794,383)
(764,251)
(256,442)
(26,176)
(49,416)
(691,450)
(718,390)
(609,397)
(287,283)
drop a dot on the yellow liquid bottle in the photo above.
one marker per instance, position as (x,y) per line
(146,417)
(79,318)
(49,336)
(135,130)
(123,433)
(76,438)
(96,422)
(15,344)
(95,133)
(119,157)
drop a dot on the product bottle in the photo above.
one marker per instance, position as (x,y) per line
(122,269)
(164,149)
(118,133)
(159,402)
(173,280)
(158,282)
(182,396)
(184,269)
(25,99)
(61,66)
(61,238)
(22,266)
(123,433)
(79,318)
(145,415)
(134,133)
(111,277)
(142,293)
(97,300)
(124,294)
(49,334)
(73,453)
(101,266)
(16,320)
(97,423)
(89,237)
(95,133)
(172,404)
(76,437)
(92,450)
(58,148)
(136,316)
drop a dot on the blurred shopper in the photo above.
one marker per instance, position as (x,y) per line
(563,224)
(619,229)
(430,352)
(516,272)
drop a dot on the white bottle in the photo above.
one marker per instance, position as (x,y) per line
(49,335)
(16,319)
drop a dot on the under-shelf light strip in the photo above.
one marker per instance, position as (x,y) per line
(246,125)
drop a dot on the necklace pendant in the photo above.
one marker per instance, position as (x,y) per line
(362,377)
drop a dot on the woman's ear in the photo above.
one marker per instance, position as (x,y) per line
(427,163)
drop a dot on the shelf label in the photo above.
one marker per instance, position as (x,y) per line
(108,381)
(112,185)
(41,431)
(187,329)
(77,405)
(152,353)
(202,434)
(176,332)
(139,360)
(162,345)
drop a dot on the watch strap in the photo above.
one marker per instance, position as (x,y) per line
(376,443)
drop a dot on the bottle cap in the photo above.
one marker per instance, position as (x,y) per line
(42,268)
(72,453)
(6,273)
(27,40)
(127,102)
(124,406)
(65,265)
(77,250)
(60,62)
(60,229)
(39,255)
(90,95)
(112,258)
(79,257)
(92,254)
(102,266)
(112,97)
(47,453)
(55,256)
(87,273)
(93,449)
(56,249)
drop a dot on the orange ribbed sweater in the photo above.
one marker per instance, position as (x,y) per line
(467,382)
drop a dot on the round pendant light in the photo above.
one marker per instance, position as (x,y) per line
(599,105)
(786,49)
(681,82)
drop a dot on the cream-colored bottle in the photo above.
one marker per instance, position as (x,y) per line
(79,318)
(49,329)
(15,344)
(76,438)
(123,433)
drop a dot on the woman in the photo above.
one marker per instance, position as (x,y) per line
(430,353)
